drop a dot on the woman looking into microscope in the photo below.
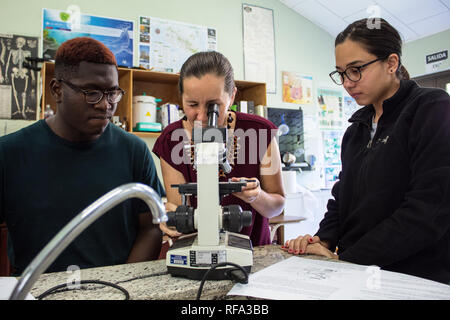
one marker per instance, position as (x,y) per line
(207,78)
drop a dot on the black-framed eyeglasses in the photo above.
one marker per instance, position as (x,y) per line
(94,96)
(352,73)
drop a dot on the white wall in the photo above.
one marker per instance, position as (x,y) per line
(300,45)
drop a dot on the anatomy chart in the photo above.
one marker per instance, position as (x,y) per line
(18,97)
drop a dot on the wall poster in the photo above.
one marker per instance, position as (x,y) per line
(259,46)
(18,84)
(297,88)
(331,142)
(350,107)
(331,112)
(59,26)
(164,45)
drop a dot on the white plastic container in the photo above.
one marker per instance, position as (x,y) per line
(169,114)
(144,110)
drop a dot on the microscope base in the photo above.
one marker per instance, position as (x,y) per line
(189,260)
(197,274)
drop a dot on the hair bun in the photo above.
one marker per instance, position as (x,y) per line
(403,73)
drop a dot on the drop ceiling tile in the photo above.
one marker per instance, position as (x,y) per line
(435,24)
(320,16)
(412,18)
(446,3)
(414,10)
(344,8)
(406,33)
(291,3)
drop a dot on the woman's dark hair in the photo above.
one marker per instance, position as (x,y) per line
(378,37)
(202,63)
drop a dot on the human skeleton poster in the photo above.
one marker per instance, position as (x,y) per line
(18,84)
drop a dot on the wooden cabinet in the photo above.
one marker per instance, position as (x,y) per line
(161,85)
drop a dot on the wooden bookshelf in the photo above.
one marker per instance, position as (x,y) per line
(160,85)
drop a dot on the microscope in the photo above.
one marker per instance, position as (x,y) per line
(217,240)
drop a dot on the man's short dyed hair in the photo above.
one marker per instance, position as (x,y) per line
(73,51)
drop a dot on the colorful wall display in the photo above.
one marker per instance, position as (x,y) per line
(59,26)
(297,88)
(164,45)
(350,107)
(331,112)
(331,142)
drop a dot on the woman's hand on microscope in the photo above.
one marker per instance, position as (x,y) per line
(170,231)
(170,206)
(250,192)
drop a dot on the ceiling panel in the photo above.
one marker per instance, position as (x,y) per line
(446,3)
(412,18)
(344,8)
(432,25)
(405,32)
(323,17)
(416,10)
(291,3)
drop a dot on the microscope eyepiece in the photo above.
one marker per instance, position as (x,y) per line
(213,115)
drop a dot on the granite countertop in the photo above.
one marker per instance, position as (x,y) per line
(149,280)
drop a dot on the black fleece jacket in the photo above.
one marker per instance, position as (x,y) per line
(391,205)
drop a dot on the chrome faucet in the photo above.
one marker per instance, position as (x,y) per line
(78,224)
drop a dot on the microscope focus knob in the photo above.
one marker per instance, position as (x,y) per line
(234,219)
(182,219)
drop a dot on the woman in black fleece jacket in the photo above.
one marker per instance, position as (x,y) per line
(391,205)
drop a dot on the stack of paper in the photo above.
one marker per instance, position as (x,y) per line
(299,278)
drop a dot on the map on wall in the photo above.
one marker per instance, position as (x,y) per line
(164,45)
(259,46)
(59,26)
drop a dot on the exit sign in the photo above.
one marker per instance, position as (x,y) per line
(438,56)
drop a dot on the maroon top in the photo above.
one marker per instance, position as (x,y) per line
(253,134)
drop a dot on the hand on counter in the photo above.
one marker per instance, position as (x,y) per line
(309,245)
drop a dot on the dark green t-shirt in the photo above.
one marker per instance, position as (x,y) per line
(45,181)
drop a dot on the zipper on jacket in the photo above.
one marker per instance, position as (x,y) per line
(364,155)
